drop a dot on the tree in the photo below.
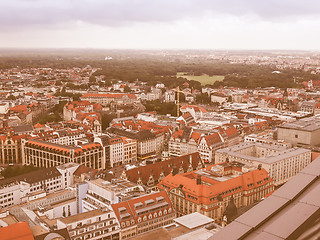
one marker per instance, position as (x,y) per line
(92,79)
(59,83)
(127,89)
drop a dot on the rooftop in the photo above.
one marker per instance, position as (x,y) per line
(193,220)
(291,212)
(305,124)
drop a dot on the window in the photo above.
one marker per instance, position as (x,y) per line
(296,136)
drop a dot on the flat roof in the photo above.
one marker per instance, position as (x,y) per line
(83,216)
(193,220)
(281,153)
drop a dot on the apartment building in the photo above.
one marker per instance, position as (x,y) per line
(150,175)
(102,193)
(148,143)
(46,154)
(34,185)
(143,214)
(65,136)
(188,140)
(96,225)
(280,162)
(118,150)
(107,98)
(211,190)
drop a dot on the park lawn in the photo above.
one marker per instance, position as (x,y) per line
(203,79)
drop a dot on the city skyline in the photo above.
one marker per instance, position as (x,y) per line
(272,25)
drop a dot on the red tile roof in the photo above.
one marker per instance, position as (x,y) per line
(143,209)
(213,188)
(164,167)
(17,231)
(108,95)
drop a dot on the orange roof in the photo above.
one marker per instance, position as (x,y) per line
(195,107)
(164,167)
(17,231)
(19,108)
(38,125)
(130,210)
(205,193)
(108,95)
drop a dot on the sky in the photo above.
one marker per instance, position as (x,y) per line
(161,24)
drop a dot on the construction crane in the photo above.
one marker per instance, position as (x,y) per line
(178,100)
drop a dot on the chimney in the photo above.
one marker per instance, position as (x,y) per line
(190,159)
(174,170)
(260,167)
(198,179)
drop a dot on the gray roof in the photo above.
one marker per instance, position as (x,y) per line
(290,212)
(305,124)
(281,154)
(23,128)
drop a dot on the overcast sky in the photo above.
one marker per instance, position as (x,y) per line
(161,24)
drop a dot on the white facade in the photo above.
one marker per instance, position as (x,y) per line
(96,224)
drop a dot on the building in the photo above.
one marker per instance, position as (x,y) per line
(280,162)
(291,212)
(96,224)
(148,143)
(143,214)
(150,175)
(34,185)
(10,148)
(46,154)
(106,99)
(211,190)
(307,107)
(187,140)
(303,132)
(102,193)
(17,231)
(118,150)
(218,98)
(183,142)
(169,96)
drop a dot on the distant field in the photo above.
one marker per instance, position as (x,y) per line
(203,79)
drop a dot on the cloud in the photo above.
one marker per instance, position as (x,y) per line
(47,13)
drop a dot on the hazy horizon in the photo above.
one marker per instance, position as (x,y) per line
(161,25)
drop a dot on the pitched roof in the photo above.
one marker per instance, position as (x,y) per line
(17,231)
(139,209)
(165,167)
(108,95)
(203,193)
(32,177)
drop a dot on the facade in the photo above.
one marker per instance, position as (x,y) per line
(291,212)
(169,96)
(280,162)
(150,175)
(46,154)
(148,143)
(219,98)
(34,185)
(102,193)
(303,132)
(187,140)
(65,137)
(118,150)
(10,149)
(106,99)
(143,214)
(211,190)
(96,224)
